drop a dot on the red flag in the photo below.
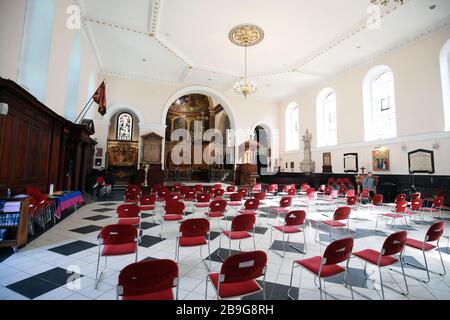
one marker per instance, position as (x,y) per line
(100,98)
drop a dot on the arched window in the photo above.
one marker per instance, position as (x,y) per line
(73,79)
(124,127)
(326,118)
(380,121)
(36,44)
(292,127)
(445,76)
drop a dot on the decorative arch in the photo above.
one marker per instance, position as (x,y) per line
(216,95)
(445,78)
(123,107)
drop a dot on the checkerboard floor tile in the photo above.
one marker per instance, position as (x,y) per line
(39,270)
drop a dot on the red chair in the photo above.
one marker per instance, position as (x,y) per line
(400,197)
(189,195)
(257,188)
(238,274)
(134,188)
(304,187)
(251,206)
(392,246)
(352,202)
(172,197)
(199,188)
(217,210)
(398,213)
(217,186)
(231,189)
(116,240)
(415,208)
(236,199)
(328,265)
(131,197)
(328,191)
(219,193)
(243,191)
(377,202)
(194,233)
(436,207)
(292,192)
(341,214)
(148,280)
(261,196)
(416,196)
(322,188)
(162,194)
(364,196)
(129,214)
(434,234)
(173,211)
(285,203)
(242,227)
(294,223)
(147,203)
(102,187)
(272,189)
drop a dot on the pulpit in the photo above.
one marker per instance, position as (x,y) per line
(246,174)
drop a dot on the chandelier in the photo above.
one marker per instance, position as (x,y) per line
(246,35)
(385,2)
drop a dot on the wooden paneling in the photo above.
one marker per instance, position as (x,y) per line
(35,145)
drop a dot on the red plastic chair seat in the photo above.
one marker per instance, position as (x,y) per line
(334,224)
(419,244)
(235,235)
(202,205)
(131,200)
(247,211)
(288,229)
(216,214)
(132,221)
(281,210)
(313,265)
(118,249)
(228,290)
(163,295)
(372,256)
(147,208)
(173,217)
(192,241)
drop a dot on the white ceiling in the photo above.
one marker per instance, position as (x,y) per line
(186,41)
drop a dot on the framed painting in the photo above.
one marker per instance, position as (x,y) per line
(380,159)
(351,162)
(421,161)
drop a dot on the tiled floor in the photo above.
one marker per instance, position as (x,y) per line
(61,264)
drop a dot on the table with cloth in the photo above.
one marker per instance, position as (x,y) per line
(65,200)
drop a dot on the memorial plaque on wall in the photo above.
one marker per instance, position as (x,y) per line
(421,161)
(152,148)
(351,162)
(327,168)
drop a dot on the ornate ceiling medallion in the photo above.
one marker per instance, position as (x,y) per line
(246,35)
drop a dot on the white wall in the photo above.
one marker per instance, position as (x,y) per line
(420,119)
(12,15)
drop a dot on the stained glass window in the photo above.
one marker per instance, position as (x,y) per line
(125,127)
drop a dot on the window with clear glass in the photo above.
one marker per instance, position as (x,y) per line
(326,118)
(292,127)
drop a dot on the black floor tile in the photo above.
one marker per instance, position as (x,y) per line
(87,229)
(260,230)
(104,210)
(278,246)
(97,218)
(357,279)
(146,215)
(214,235)
(148,225)
(223,253)
(73,247)
(148,241)
(40,284)
(274,291)
(108,204)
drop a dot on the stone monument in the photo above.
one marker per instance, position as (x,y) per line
(307,165)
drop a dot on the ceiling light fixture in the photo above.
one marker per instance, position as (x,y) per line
(246,35)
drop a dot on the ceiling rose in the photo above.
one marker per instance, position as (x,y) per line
(246,35)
